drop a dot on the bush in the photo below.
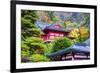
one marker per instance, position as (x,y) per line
(25,53)
(81,39)
(34,32)
(38,48)
(24,50)
(39,58)
(38,45)
(48,48)
(24,46)
(30,40)
(61,43)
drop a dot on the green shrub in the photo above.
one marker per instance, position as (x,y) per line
(61,43)
(24,46)
(30,40)
(24,50)
(38,48)
(34,32)
(48,49)
(80,40)
(25,53)
(39,58)
(38,45)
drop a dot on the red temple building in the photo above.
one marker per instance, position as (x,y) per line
(54,31)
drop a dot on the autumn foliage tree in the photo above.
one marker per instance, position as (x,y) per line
(79,34)
(74,34)
(84,33)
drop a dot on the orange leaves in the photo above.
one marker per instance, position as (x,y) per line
(84,32)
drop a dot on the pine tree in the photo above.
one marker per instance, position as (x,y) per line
(28,31)
(31,43)
(28,27)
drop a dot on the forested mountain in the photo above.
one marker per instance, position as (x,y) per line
(62,17)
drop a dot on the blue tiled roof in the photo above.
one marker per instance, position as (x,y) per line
(79,48)
(87,42)
(43,26)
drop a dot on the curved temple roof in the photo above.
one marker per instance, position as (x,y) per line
(45,26)
(77,48)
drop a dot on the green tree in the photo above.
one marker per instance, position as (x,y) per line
(52,17)
(28,27)
(29,31)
